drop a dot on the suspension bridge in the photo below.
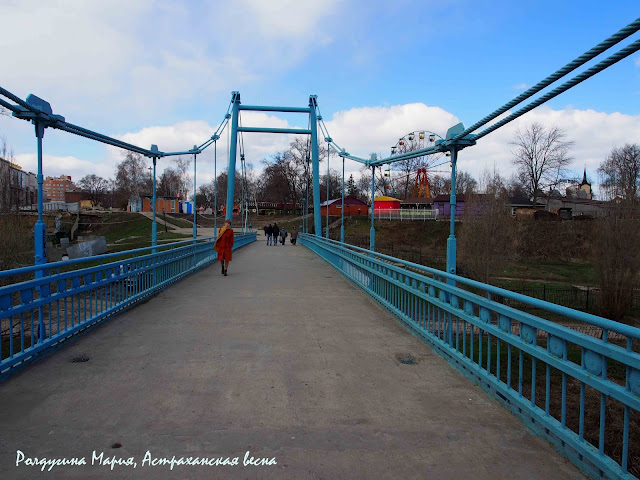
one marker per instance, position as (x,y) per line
(313,368)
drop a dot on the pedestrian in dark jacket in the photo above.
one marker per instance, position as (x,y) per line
(275,232)
(294,235)
(267,233)
(283,235)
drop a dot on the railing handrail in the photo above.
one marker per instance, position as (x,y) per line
(39,313)
(627,330)
(76,261)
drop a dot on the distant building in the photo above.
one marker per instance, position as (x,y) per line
(55,188)
(572,207)
(417,203)
(521,206)
(442,203)
(18,188)
(352,207)
(586,186)
(582,190)
(386,203)
(134,204)
(163,204)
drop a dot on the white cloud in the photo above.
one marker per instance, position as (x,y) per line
(288,18)
(61,47)
(364,130)
(55,166)
(184,135)
(594,134)
(520,86)
(637,61)
(375,129)
(149,57)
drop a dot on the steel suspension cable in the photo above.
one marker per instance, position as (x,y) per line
(623,33)
(18,100)
(625,52)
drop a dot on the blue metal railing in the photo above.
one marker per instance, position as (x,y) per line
(567,386)
(38,314)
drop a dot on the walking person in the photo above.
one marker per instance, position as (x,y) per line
(294,235)
(267,232)
(275,232)
(283,235)
(224,245)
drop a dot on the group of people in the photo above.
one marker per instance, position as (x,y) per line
(272,232)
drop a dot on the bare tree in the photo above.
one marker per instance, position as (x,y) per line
(93,184)
(439,185)
(541,156)
(617,258)
(516,188)
(486,234)
(132,178)
(335,186)
(181,167)
(169,183)
(465,184)
(286,174)
(364,184)
(221,188)
(383,184)
(621,173)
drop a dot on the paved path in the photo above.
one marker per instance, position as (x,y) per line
(284,358)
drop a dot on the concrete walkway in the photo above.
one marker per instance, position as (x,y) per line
(284,358)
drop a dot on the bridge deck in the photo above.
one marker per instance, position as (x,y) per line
(284,358)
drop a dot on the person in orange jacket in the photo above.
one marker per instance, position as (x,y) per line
(224,245)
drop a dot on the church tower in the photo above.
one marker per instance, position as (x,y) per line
(585,186)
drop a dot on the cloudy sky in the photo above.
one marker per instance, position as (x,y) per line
(156,71)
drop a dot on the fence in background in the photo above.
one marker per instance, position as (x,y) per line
(405,214)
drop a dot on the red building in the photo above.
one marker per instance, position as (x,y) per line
(386,203)
(352,207)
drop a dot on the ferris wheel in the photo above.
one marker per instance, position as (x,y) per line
(416,141)
(422,167)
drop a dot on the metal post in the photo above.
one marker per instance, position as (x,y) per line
(195,223)
(372,232)
(306,204)
(451,241)
(242,206)
(215,189)
(40,230)
(154,199)
(231,169)
(342,209)
(328,155)
(317,219)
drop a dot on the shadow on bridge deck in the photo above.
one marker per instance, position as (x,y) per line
(284,358)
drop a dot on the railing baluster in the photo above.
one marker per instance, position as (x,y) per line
(21,332)
(10,336)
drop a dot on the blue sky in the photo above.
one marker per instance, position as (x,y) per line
(162,72)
